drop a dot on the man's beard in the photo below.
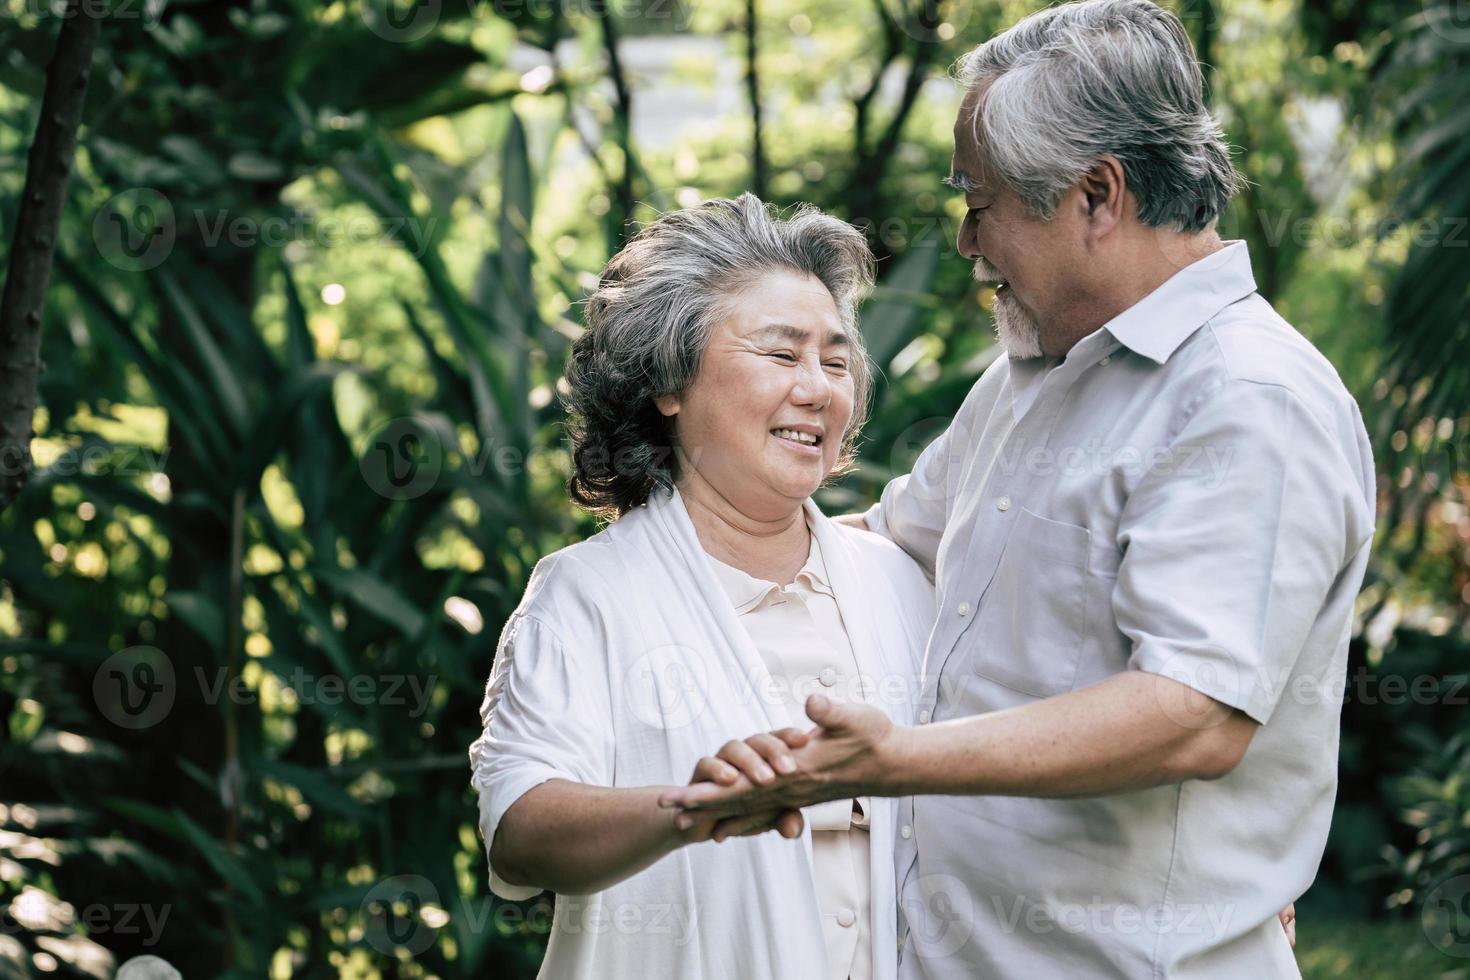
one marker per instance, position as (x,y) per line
(1015,327)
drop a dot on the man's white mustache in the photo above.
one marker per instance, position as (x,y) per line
(985,272)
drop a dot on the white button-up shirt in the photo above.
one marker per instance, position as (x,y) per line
(800,635)
(1188,492)
(624,663)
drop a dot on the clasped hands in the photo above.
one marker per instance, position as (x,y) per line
(760,783)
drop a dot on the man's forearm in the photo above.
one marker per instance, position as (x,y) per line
(575,839)
(1132,731)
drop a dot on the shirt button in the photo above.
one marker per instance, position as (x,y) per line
(1104,361)
(1004,503)
(963,609)
(846,918)
(907,831)
(828,677)
(924,717)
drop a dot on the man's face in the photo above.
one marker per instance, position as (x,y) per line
(1035,262)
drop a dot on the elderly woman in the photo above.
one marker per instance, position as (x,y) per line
(721,380)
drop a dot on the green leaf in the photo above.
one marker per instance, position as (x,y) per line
(894,315)
(203,616)
(373,595)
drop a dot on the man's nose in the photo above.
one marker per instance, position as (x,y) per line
(967,242)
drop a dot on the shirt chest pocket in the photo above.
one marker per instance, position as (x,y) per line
(1032,620)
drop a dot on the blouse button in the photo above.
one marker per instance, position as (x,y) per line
(846,918)
(828,677)
(1003,504)
(907,831)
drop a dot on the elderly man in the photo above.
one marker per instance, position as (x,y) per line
(1146,527)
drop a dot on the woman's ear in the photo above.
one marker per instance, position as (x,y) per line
(667,404)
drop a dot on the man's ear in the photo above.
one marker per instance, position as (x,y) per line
(1105,190)
(667,404)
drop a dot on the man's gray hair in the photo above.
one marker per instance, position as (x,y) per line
(1078,81)
(650,319)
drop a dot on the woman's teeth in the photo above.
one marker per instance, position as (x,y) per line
(802,437)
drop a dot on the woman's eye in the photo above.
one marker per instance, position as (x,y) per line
(784,356)
(837,365)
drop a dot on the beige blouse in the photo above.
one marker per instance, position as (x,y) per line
(800,635)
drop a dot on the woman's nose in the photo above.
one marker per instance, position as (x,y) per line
(812,387)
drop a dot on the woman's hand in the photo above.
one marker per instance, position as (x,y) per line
(756,761)
(1288,922)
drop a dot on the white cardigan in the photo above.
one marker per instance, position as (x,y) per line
(622,666)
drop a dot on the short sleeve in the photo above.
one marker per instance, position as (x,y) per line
(1233,539)
(544,716)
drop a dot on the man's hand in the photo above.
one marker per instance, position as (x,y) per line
(846,755)
(753,762)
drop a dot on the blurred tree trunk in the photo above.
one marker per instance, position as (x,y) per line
(753,89)
(48,171)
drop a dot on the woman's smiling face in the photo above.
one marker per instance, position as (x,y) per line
(763,421)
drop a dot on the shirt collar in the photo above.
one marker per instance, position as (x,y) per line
(1156,325)
(747,591)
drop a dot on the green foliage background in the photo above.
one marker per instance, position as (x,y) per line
(300,234)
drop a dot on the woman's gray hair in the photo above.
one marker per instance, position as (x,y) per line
(1074,82)
(652,314)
